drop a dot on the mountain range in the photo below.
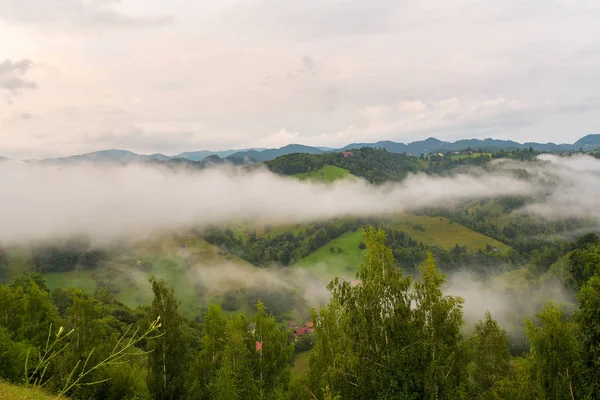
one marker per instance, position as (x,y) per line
(430,145)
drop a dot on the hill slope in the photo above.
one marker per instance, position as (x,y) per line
(14,392)
(327,173)
(592,140)
(108,156)
(342,256)
(270,154)
(376,166)
(429,145)
(199,271)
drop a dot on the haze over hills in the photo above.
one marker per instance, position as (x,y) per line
(429,145)
(202,154)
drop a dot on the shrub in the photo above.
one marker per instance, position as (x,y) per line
(230,301)
(418,227)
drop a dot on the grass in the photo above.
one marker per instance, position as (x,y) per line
(14,392)
(326,265)
(474,155)
(327,173)
(185,263)
(83,280)
(300,367)
(433,231)
(439,231)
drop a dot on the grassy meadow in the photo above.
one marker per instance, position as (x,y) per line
(327,173)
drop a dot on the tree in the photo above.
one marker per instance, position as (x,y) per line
(24,281)
(490,356)
(588,318)
(272,363)
(209,360)
(554,353)
(167,361)
(234,379)
(439,318)
(367,339)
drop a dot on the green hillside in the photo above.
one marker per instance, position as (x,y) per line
(327,173)
(328,261)
(441,232)
(326,264)
(374,165)
(194,267)
(14,392)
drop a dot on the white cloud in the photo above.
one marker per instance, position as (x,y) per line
(110,202)
(279,139)
(113,202)
(74,13)
(241,70)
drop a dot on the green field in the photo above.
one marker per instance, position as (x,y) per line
(14,392)
(474,155)
(441,232)
(300,367)
(432,231)
(198,271)
(326,265)
(327,173)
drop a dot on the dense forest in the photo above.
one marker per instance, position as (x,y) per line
(378,165)
(387,336)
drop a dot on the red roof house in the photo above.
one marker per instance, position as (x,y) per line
(307,328)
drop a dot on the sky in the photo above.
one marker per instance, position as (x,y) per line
(156,76)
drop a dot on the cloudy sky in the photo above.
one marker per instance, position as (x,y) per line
(183,75)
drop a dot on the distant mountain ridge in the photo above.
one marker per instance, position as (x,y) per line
(429,145)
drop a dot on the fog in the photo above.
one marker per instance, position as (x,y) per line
(509,301)
(133,202)
(116,202)
(228,276)
(576,193)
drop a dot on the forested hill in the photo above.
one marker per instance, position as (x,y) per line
(374,165)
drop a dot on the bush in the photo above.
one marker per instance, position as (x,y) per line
(362,245)
(418,227)
(12,357)
(230,302)
(305,343)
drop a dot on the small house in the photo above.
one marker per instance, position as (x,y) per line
(347,153)
(305,329)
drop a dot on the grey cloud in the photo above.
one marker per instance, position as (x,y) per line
(74,13)
(12,76)
(26,116)
(308,62)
